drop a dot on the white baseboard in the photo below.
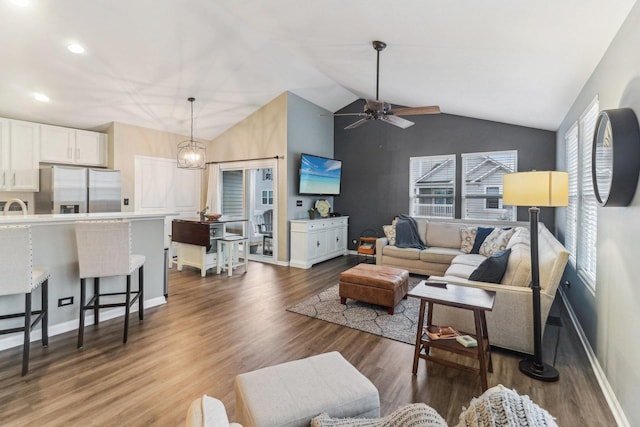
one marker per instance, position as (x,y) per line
(17,339)
(608,392)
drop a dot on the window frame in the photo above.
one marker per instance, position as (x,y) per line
(464,213)
(587,218)
(449,190)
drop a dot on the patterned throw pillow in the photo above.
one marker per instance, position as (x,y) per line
(390,232)
(496,241)
(468,235)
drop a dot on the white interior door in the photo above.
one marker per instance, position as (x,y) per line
(160,185)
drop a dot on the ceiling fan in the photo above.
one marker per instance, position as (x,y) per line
(379,110)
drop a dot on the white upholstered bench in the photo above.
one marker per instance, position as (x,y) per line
(292,393)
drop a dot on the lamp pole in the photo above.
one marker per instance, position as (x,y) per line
(536,368)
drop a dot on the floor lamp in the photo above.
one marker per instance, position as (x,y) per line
(535,189)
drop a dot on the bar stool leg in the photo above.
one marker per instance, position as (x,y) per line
(141,292)
(96,301)
(45,313)
(229,248)
(219,256)
(126,310)
(27,334)
(245,245)
(82,309)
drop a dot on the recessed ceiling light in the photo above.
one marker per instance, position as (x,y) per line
(75,48)
(21,3)
(41,97)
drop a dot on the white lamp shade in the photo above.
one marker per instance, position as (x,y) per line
(544,188)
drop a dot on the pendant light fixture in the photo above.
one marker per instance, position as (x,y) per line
(191,153)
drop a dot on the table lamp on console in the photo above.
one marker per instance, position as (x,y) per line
(534,189)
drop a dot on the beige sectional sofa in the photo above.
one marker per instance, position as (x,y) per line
(510,323)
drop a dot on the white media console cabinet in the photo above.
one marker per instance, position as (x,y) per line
(316,240)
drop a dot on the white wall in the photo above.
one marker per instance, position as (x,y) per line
(611,317)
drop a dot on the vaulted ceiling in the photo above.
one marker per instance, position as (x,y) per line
(513,61)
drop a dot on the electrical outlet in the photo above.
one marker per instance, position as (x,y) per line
(65,301)
(126,202)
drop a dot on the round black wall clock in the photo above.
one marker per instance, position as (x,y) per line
(615,157)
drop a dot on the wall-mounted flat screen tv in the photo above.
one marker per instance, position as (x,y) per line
(319,175)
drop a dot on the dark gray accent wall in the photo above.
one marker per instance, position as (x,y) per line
(375,169)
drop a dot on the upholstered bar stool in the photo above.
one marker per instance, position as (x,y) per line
(104,250)
(228,249)
(19,276)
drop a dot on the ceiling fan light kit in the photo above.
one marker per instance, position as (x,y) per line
(381,110)
(191,153)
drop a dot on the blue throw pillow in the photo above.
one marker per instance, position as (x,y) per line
(481,234)
(492,269)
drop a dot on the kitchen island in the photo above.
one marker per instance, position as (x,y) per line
(54,247)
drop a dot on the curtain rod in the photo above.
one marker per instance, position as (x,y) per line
(245,160)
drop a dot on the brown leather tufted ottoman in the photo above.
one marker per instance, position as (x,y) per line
(375,284)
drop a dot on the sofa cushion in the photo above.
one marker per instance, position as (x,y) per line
(404,253)
(481,235)
(496,241)
(519,267)
(473,260)
(444,234)
(439,255)
(460,270)
(468,237)
(492,269)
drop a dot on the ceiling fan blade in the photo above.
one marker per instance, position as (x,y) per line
(347,114)
(356,124)
(397,121)
(434,109)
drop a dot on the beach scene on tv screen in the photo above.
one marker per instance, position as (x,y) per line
(319,175)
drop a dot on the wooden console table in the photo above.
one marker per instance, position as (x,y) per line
(463,297)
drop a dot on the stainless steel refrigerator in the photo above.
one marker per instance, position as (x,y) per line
(104,190)
(63,189)
(69,189)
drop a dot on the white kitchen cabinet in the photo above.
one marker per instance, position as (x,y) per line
(4,154)
(72,146)
(313,241)
(20,156)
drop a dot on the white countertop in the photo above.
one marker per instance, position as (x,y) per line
(67,218)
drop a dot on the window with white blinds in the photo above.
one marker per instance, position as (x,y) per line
(588,212)
(571,229)
(432,183)
(482,185)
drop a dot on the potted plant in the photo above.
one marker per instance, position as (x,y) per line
(311,213)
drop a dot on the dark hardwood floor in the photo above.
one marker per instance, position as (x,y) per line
(213,328)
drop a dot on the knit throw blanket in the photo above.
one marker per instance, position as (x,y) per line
(500,406)
(407,235)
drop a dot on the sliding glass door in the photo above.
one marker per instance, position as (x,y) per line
(248,190)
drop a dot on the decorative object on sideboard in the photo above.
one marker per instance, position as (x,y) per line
(535,189)
(191,153)
(312,213)
(615,164)
(323,207)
